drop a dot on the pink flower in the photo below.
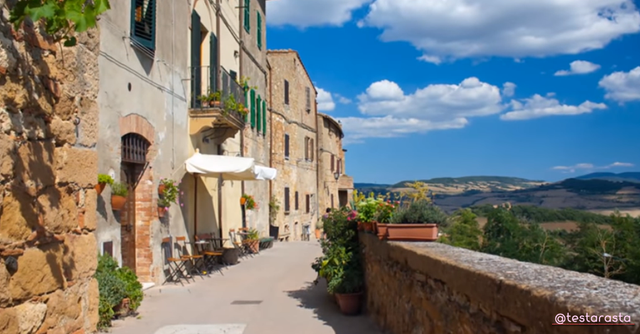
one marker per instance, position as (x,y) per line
(181,204)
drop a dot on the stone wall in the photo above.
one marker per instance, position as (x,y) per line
(415,287)
(48,168)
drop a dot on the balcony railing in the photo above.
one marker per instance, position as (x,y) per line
(230,94)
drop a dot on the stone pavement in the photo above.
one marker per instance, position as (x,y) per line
(270,293)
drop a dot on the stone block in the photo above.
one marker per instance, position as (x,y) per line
(88,127)
(35,165)
(74,165)
(5,295)
(18,217)
(80,259)
(92,305)
(58,206)
(63,131)
(9,321)
(63,308)
(8,154)
(39,271)
(30,316)
(91,210)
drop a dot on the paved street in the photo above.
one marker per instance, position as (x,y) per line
(272,292)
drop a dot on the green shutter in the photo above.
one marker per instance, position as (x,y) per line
(213,63)
(247,15)
(143,22)
(264,118)
(196,74)
(259,118)
(246,101)
(259,37)
(253,108)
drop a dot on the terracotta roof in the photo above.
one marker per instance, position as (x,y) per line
(333,120)
(299,59)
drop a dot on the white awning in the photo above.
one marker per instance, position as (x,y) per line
(265,173)
(227,167)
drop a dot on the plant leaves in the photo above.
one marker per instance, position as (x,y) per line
(46,10)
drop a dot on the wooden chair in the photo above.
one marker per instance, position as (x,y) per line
(176,266)
(196,261)
(211,256)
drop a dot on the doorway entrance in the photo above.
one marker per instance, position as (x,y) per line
(133,163)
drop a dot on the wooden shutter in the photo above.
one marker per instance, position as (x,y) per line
(286,146)
(308,203)
(264,117)
(259,117)
(253,108)
(308,93)
(196,74)
(286,92)
(313,149)
(333,162)
(286,199)
(213,63)
(297,206)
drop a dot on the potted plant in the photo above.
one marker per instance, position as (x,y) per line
(319,226)
(417,222)
(214,99)
(103,180)
(248,202)
(204,100)
(348,287)
(119,193)
(168,193)
(163,206)
(383,216)
(253,240)
(366,211)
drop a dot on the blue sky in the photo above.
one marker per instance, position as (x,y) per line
(431,88)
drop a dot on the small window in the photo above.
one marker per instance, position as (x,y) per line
(143,22)
(286,199)
(286,146)
(247,15)
(313,149)
(339,167)
(259,37)
(308,94)
(332,201)
(296,201)
(307,204)
(306,148)
(333,164)
(286,92)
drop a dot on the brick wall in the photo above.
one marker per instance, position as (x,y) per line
(428,287)
(48,131)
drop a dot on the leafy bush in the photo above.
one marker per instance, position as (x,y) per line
(114,285)
(420,212)
(104,178)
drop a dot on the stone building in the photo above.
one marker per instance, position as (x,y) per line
(143,122)
(256,135)
(48,170)
(294,137)
(335,188)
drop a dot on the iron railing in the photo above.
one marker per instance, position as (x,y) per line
(204,82)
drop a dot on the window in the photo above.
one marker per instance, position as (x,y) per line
(286,199)
(306,148)
(286,146)
(333,163)
(143,22)
(259,117)
(253,108)
(264,117)
(259,37)
(286,92)
(313,149)
(296,199)
(339,167)
(307,204)
(247,15)
(308,94)
(332,201)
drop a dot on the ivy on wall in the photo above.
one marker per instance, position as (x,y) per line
(61,18)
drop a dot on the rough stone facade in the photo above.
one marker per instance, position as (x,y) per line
(417,287)
(48,169)
(297,120)
(332,192)
(256,140)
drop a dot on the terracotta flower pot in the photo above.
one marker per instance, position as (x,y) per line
(100,187)
(117,202)
(412,232)
(161,189)
(216,104)
(318,234)
(382,231)
(368,227)
(254,246)
(243,200)
(161,211)
(349,302)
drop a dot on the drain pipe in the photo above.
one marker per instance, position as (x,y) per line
(241,73)
(218,81)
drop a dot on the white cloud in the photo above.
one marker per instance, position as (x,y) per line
(579,67)
(308,13)
(342,99)
(357,128)
(539,106)
(622,86)
(431,59)
(325,100)
(476,28)
(508,89)
(589,166)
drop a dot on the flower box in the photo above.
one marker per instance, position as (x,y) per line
(411,232)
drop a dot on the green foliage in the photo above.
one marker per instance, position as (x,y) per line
(119,189)
(537,214)
(367,209)
(104,178)
(230,104)
(464,232)
(274,207)
(249,202)
(253,234)
(61,17)
(170,193)
(115,284)
(420,212)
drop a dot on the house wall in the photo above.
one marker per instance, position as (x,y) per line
(256,144)
(295,120)
(48,170)
(146,95)
(329,143)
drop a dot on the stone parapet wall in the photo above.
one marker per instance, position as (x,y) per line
(415,288)
(48,168)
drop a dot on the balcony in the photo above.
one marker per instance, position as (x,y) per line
(210,107)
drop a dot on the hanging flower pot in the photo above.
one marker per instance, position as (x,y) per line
(243,200)
(119,193)
(162,211)
(100,187)
(103,180)
(118,202)
(161,189)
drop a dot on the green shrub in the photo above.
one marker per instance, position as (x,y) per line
(420,212)
(114,285)
(119,189)
(104,178)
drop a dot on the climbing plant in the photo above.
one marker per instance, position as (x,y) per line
(60,17)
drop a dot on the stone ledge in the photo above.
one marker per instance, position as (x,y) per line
(524,295)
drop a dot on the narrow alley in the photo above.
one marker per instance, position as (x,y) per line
(270,293)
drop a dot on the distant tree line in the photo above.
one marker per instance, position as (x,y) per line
(536,214)
(607,252)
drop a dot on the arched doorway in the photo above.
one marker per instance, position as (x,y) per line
(133,164)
